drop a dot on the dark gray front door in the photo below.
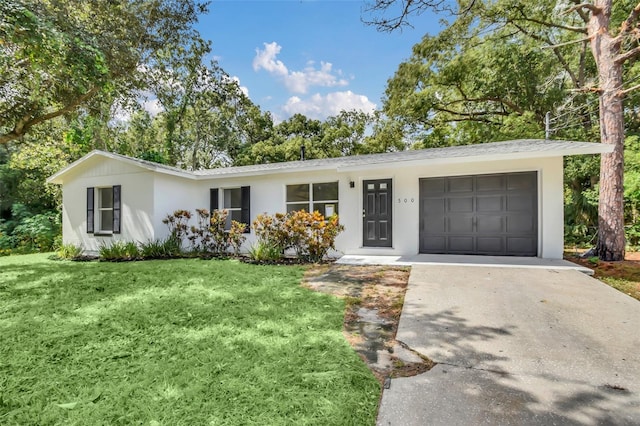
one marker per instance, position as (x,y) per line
(376,213)
(481,214)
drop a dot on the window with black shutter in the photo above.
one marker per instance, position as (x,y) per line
(90,210)
(236,201)
(104,210)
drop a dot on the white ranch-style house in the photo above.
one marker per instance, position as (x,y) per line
(502,198)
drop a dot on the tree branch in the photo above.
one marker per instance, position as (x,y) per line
(584,16)
(556,51)
(502,101)
(627,25)
(28,121)
(630,89)
(477,115)
(594,9)
(627,55)
(553,46)
(581,30)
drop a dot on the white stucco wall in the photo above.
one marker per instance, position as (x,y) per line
(268,192)
(406,202)
(173,193)
(268,195)
(147,198)
(136,203)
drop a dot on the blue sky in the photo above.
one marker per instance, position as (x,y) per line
(309,57)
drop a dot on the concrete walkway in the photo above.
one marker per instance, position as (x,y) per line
(516,346)
(463,260)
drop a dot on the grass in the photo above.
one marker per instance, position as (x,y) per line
(624,276)
(176,342)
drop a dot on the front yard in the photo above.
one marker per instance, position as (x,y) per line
(174,342)
(623,276)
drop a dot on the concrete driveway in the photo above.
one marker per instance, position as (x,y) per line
(516,346)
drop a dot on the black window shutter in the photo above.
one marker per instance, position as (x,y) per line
(116,209)
(245,212)
(213,199)
(90,207)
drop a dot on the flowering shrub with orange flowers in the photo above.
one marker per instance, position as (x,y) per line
(310,235)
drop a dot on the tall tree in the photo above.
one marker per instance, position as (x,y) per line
(611,33)
(57,55)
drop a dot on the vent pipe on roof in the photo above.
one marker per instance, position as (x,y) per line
(302,149)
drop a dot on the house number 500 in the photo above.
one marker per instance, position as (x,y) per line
(400,200)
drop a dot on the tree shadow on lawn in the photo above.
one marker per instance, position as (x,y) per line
(143,341)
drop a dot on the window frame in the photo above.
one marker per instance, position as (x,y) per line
(95,210)
(312,200)
(100,209)
(227,225)
(217,202)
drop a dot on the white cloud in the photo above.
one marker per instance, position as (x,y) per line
(243,89)
(266,59)
(296,81)
(321,107)
(152,106)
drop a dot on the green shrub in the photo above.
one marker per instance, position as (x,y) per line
(161,249)
(69,251)
(632,233)
(27,232)
(262,251)
(119,251)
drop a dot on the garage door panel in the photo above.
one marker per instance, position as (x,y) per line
(435,244)
(490,244)
(480,214)
(490,183)
(461,205)
(461,244)
(520,203)
(521,181)
(436,226)
(459,223)
(434,206)
(490,203)
(433,186)
(521,224)
(490,224)
(521,245)
(460,184)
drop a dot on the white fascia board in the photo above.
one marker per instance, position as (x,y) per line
(597,148)
(270,172)
(57,177)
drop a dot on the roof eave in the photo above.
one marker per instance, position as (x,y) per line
(58,178)
(319,168)
(592,148)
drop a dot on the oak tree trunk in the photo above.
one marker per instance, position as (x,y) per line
(611,239)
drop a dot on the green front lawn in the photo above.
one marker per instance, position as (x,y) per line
(179,342)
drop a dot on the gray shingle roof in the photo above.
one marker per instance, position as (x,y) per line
(480,152)
(494,149)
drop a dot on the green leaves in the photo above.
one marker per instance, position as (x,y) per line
(57,55)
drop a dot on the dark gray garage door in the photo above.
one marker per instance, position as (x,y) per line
(482,214)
